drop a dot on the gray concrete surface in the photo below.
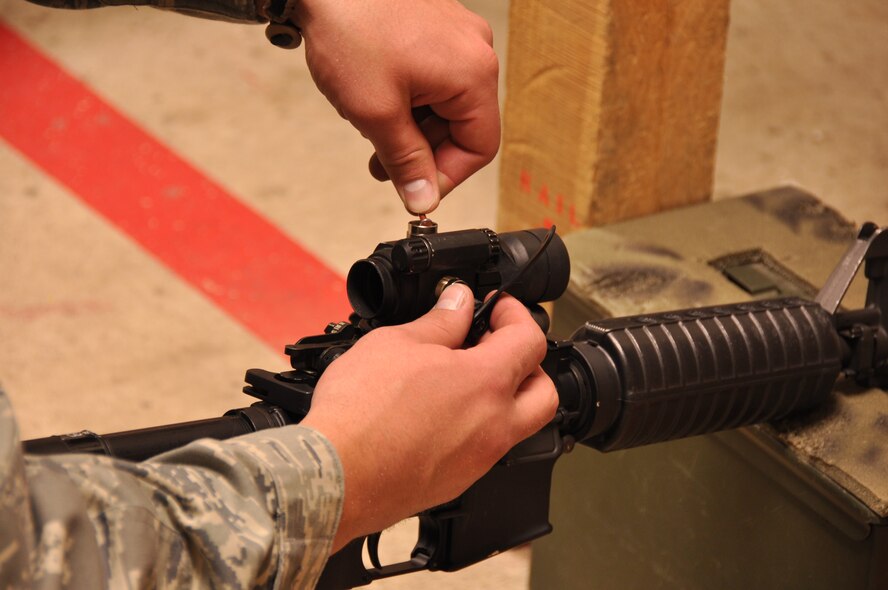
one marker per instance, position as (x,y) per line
(99,335)
(806,102)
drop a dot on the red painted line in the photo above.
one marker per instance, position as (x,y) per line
(228,252)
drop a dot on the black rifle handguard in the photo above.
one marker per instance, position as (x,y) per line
(708,369)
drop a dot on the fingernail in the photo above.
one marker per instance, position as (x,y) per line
(419,195)
(452,298)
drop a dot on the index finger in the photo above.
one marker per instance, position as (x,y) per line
(404,152)
(474,124)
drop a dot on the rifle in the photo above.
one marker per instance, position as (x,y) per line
(621,382)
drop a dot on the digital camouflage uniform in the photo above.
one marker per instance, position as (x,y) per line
(257,511)
(232,10)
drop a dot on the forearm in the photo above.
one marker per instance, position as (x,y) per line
(257,511)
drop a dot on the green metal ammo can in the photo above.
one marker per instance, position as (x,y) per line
(801,504)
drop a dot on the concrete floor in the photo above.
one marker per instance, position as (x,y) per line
(100,335)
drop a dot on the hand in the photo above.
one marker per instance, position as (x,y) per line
(416,419)
(377,60)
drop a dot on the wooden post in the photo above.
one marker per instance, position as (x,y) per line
(611,109)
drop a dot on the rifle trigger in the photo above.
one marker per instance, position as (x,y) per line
(373,549)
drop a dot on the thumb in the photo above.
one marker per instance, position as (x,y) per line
(408,160)
(448,322)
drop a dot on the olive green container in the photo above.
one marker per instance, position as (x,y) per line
(802,504)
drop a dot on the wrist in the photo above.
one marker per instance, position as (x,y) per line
(356,508)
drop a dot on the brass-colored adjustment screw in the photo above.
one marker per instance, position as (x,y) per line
(421,227)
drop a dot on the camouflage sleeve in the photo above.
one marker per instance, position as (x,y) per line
(259,511)
(231,10)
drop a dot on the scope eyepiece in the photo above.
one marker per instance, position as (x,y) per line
(396,284)
(370,288)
